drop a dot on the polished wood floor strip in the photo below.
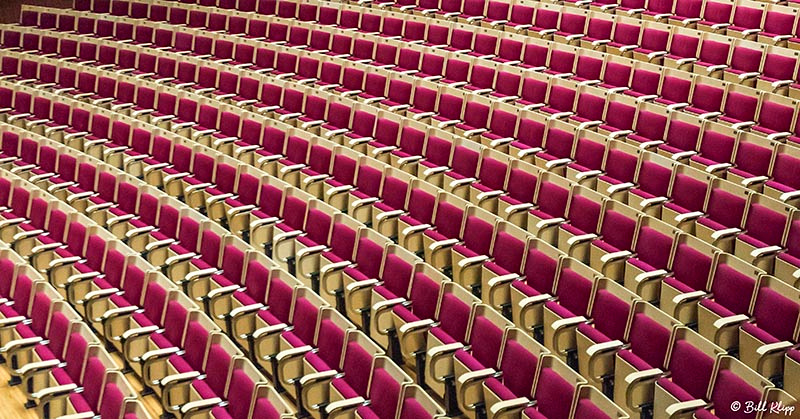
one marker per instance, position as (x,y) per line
(12,399)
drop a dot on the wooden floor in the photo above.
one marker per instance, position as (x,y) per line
(12,399)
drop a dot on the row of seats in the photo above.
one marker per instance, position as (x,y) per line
(745,59)
(92,269)
(772,113)
(163,367)
(443,326)
(768,106)
(300,201)
(203,138)
(488,174)
(622,172)
(749,19)
(770,23)
(233,130)
(769,68)
(62,366)
(226,270)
